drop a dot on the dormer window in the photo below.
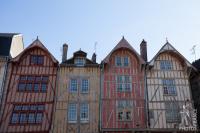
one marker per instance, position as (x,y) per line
(37,60)
(80,61)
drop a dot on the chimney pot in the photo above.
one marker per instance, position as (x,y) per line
(143,50)
(64,55)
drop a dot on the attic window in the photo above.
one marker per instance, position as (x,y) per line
(79,61)
(37,60)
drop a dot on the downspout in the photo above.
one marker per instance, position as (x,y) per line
(55,100)
(146,96)
(3,84)
(100,99)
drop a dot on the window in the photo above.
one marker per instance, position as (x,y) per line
(84,85)
(72,112)
(84,112)
(169,87)
(172,112)
(33,83)
(124,110)
(37,60)
(27,114)
(73,85)
(126,62)
(165,65)
(124,83)
(118,61)
(122,61)
(79,61)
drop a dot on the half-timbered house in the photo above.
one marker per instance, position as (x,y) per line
(122,90)
(30,91)
(169,96)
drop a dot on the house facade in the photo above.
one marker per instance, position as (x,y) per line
(122,90)
(30,91)
(170,105)
(77,105)
(11,44)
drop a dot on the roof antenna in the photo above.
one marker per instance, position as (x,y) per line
(194,51)
(166,40)
(95,47)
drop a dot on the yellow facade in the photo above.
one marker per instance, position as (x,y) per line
(61,123)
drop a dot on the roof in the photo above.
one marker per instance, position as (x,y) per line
(79,53)
(196,64)
(123,43)
(167,47)
(36,43)
(5,43)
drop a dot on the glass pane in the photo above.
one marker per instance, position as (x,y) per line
(15,118)
(21,86)
(39,117)
(72,112)
(125,61)
(31,118)
(84,85)
(33,107)
(36,87)
(73,87)
(45,78)
(40,60)
(25,107)
(43,87)
(29,87)
(17,107)
(41,107)
(23,118)
(84,111)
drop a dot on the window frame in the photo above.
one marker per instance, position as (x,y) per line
(37,60)
(166,65)
(84,120)
(70,113)
(71,89)
(122,83)
(172,115)
(79,61)
(169,89)
(82,87)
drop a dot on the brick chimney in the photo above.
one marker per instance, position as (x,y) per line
(143,50)
(94,57)
(64,54)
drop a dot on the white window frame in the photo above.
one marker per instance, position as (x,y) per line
(124,83)
(84,120)
(70,113)
(79,61)
(88,86)
(168,87)
(70,88)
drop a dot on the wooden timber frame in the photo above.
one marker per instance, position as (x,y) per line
(180,73)
(109,122)
(19,66)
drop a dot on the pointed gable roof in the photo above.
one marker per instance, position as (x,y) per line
(36,43)
(123,43)
(169,48)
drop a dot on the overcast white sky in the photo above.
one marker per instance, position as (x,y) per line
(81,23)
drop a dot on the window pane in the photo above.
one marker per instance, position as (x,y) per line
(40,60)
(79,61)
(25,107)
(38,79)
(44,87)
(45,78)
(169,86)
(126,61)
(22,78)
(29,87)
(85,85)
(39,117)
(30,78)
(72,112)
(33,59)
(118,61)
(33,107)
(165,65)
(120,115)
(73,85)
(23,118)
(128,115)
(84,111)
(15,118)
(17,107)
(36,87)
(172,112)
(31,118)
(41,107)
(21,86)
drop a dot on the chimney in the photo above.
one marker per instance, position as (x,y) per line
(143,50)
(64,54)
(94,56)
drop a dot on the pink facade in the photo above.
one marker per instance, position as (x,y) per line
(123,98)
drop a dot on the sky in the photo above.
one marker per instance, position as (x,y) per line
(82,23)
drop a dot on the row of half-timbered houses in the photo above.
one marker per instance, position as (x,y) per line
(123,94)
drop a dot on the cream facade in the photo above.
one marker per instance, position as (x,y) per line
(168,89)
